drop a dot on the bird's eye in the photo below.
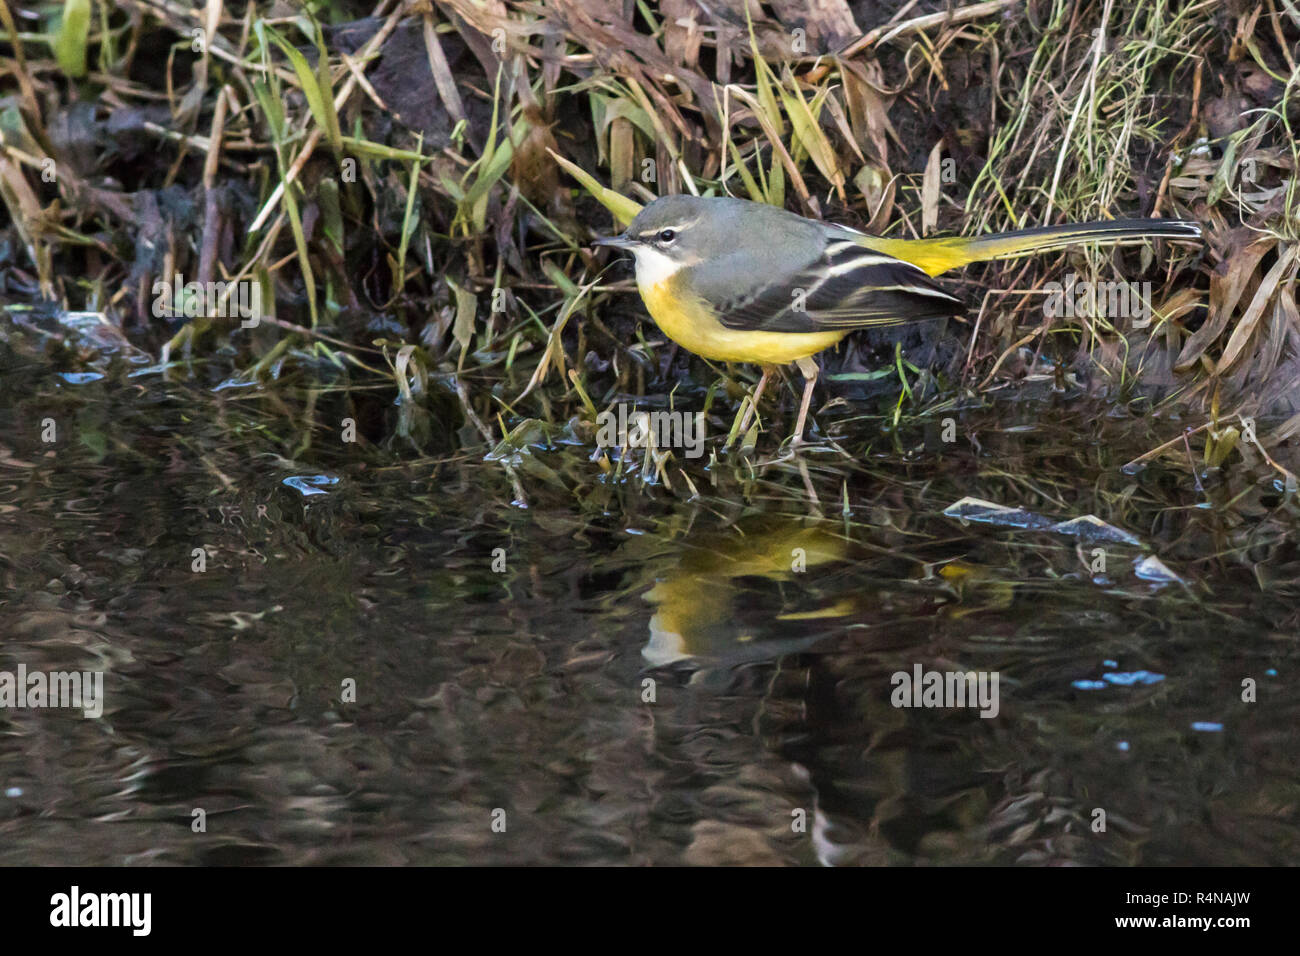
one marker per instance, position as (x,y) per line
(667,235)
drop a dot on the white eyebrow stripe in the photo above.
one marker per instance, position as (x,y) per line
(678,226)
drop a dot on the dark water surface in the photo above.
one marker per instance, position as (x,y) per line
(766,638)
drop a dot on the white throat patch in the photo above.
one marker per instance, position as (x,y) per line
(653,266)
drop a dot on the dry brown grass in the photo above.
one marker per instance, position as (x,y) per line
(386,175)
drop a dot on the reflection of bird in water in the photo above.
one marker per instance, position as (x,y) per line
(773,724)
(706,607)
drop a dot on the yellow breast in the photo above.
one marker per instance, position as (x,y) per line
(692,325)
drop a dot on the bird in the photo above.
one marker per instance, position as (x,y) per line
(734,280)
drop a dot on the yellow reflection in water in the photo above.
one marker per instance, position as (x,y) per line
(704,607)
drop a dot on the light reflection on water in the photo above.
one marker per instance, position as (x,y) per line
(768,639)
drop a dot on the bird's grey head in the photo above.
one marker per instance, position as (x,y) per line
(667,229)
(677,231)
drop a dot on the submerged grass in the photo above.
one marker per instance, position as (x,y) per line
(442,166)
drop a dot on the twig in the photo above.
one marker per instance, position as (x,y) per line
(1147,456)
(883,34)
(211,207)
(463,395)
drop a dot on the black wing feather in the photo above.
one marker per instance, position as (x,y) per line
(849,287)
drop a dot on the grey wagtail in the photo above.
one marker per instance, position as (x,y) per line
(739,281)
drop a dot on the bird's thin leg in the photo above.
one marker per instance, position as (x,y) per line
(809,369)
(751,405)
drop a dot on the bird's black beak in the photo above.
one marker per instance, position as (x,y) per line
(618,242)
